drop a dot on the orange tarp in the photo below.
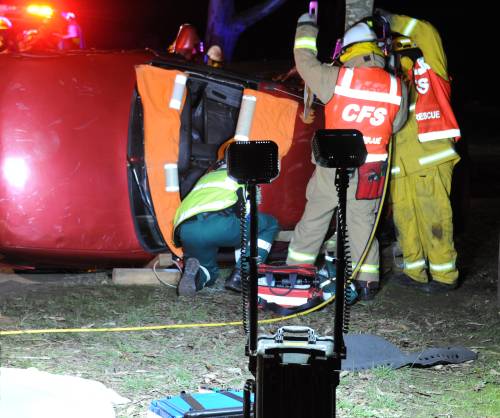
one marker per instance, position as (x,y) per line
(273,119)
(161,142)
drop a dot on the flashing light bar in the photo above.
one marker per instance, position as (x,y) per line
(40,10)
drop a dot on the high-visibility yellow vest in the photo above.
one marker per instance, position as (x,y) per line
(213,192)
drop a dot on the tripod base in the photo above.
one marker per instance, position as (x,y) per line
(295,375)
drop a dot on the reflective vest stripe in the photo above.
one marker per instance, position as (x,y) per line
(326,283)
(436,157)
(344,89)
(395,170)
(206,272)
(370,158)
(419,264)
(433,136)
(393,91)
(347,79)
(264,245)
(368,95)
(227,184)
(295,255)
(367,268)
(207,207)
(443,267)
(412,107)
(409,27)
(308,42)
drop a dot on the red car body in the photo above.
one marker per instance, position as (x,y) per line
(65,186)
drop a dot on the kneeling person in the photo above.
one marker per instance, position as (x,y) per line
(207,219)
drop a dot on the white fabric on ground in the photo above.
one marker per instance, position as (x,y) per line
(31,393)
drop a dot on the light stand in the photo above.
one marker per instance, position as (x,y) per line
(251,163)
(342,149)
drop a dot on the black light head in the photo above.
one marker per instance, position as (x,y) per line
(339,148)
(253,162)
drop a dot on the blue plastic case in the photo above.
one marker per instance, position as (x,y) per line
(215,403)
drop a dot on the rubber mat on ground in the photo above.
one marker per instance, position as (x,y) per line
(365,351)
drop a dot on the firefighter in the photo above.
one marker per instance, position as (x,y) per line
(187,43)
(215,57)
(73,38)
(207,219)
(423,161)
(358,94)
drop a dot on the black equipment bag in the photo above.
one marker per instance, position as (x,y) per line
(295,371)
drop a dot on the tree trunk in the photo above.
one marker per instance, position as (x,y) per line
(356,10)
(224,27)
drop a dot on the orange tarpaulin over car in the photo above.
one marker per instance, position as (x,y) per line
(161,142)
(274,119)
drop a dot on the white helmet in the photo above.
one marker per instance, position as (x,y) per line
(215,53)
(360,32)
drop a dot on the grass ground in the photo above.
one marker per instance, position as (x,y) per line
(148,365)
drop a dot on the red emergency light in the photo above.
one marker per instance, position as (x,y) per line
(41,10)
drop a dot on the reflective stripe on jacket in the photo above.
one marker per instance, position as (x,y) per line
(366,99)
(213,192)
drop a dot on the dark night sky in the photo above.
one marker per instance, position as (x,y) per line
(126,24)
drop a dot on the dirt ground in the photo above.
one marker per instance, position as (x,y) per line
(148,365)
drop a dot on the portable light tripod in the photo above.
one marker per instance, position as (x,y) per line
(342,149)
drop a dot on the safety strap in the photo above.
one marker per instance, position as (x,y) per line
(232,395)
(192,402)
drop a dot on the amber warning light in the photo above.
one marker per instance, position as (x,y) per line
(40,10)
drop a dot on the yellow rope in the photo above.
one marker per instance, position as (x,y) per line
(161,327)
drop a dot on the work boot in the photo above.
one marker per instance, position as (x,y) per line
(402,279)
(366,290)
(233,282)
(436,287)
(189,282)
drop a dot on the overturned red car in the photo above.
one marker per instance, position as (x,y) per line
(85,138)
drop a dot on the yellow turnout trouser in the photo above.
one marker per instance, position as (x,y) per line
(310,232)
(424,224)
